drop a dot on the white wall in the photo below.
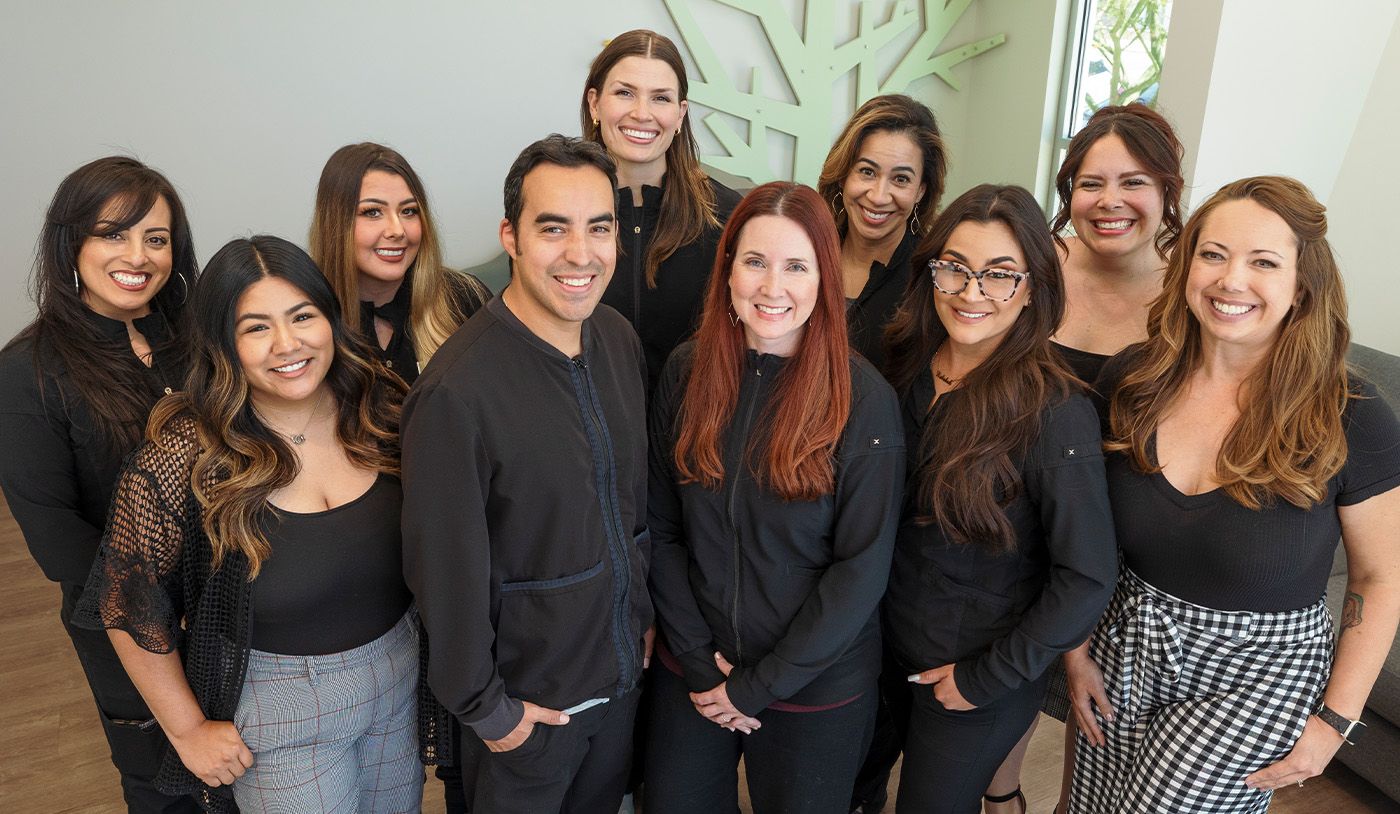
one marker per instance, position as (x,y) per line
(1284,87)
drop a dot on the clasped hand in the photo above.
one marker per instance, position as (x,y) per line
(213,751)
(715,704)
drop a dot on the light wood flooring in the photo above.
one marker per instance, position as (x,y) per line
(54,759)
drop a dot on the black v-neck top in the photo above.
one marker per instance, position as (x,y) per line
(1212,551)
(872,309)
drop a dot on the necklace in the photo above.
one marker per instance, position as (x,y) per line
(298,438)
(941,376)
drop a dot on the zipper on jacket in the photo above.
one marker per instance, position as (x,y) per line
(617,545)
(737,472)
(639,268)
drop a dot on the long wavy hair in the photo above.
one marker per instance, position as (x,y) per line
(1151,141)
(892,113)
(1289,440)
(244,460)
(687,201)
(107,195)
(434,314)
(967,476)
(798,430)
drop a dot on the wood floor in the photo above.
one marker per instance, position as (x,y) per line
(54,759)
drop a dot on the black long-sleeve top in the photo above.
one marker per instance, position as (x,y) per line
(1210,550)
(666,315)
(57,472)
(524,523)
(1002,618)
(788,592)
(467,293)
(870,312)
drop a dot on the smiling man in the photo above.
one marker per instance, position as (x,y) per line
(524,469)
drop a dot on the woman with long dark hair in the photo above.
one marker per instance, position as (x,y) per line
(1120,188)
(373,236)
(669,211)
(114,268)
(882,179)
(1241,449)
(776,474)
(250,577)
(1003,557)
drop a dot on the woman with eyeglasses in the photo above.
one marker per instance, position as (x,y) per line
(1004,555)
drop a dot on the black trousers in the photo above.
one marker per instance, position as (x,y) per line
(578,768)
(950,757)
(136,749)
(796,763)
(891,721)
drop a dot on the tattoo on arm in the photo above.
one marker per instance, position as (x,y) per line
(1351,610)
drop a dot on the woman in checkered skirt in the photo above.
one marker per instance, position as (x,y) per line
(1241,449)
(251,574)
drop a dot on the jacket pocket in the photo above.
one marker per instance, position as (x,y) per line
(554,637)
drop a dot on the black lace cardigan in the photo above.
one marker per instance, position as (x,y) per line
(154,571)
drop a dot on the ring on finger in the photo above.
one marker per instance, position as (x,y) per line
(1300,784)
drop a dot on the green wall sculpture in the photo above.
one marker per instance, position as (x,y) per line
(811,62)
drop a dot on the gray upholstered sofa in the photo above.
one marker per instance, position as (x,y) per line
(1377,758)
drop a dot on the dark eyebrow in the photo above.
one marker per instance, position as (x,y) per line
(386,203)
(289,312)
(602,217)
(961,259)
(896,168)
(631,86)
(1002,259)
(158,229)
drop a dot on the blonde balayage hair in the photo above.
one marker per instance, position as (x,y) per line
(1289,440)
(434,314)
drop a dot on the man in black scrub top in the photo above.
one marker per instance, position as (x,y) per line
(524,470)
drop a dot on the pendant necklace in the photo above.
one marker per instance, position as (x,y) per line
(300,437)
(939,373)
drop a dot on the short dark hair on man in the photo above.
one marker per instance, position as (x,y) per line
(563,151)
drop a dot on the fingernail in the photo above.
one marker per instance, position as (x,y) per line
(646,663)
(563,719)
(916,676)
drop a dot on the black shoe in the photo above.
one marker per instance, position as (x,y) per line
(1006,798)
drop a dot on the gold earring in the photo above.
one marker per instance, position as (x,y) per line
(595,122)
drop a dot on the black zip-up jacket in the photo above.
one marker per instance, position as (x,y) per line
(524,518)
(1002,618)
(666,315)
(56,470)
(870,312)
(788,592)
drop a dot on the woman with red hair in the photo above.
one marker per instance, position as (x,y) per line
(776,472)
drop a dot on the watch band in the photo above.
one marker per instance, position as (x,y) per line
(1350,730)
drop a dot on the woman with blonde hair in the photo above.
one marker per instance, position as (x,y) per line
(882,180)
(373,236)
(1241,449)
(669,211)
(251,575)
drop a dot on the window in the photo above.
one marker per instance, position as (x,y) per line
(1115,57)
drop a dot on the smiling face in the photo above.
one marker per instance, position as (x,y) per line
(563,252)
(1243,279)
(975,324)
(638,110)
(883,186)
(121,271)
(284,343)
(1116,206)
(773,283)
(387,234)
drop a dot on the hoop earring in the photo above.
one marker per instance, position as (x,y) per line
(77,289)
(914,225)
(838,209)
(733,317)
(595,123)
(186,286)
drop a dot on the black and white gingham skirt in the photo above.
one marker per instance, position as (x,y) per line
(1202,698)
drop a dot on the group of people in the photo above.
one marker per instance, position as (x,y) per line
(841,474)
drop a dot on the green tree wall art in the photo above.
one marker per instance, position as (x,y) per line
(811,62)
